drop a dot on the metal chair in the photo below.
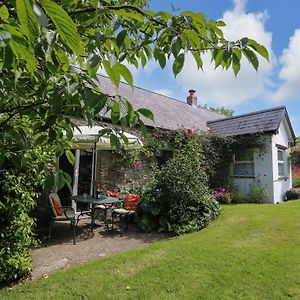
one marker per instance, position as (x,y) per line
(129,208)
(61,213)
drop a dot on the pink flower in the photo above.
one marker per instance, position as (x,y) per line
(190,130)
(136,165)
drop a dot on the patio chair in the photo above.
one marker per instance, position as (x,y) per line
(129,209)
(106,207)
(61,213)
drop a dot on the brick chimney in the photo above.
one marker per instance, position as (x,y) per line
(192,98)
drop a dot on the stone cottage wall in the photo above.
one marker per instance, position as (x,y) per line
(114,172)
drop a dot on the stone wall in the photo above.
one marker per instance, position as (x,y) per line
(113,171)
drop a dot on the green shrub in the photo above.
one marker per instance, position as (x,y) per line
(237,196)
(20,186)
(179,200)
(257,193)
(16,226)
(296,181)
(225,199)
(292,194)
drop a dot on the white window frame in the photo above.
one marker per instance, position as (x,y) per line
(250,162)
(281,162)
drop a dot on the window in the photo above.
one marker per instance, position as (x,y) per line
(281,162)
(244,164)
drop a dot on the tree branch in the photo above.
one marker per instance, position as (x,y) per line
(20,109)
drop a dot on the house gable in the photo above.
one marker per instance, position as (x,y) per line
(264,121)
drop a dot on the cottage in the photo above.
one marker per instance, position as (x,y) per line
(271,168)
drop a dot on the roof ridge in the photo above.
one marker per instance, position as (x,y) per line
(249,114)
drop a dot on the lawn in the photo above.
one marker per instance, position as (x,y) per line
(250,252)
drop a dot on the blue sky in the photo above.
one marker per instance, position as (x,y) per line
(275,24)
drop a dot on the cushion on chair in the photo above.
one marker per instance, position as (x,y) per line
(112,194)
(59,211)
(100,206)
(131,202)
(121,211)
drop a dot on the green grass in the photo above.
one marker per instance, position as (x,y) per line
(250,252)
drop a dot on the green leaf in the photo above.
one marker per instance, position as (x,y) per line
(27,18)
(21,48)
(162,59)
(121,37)
(143,128)
(221,23)
(252,58)
(125,73)
(259,48)
(70,156)
(4,38)
(236,66)
(146,113)
(4,14)
(115,112)
(64,25)
(193,38)
(41,16)
(114,142)
(59,180)
(123,137)
(114,76)
(198,59)
(178,64)
(219,58)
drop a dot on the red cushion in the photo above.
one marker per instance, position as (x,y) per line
(131,201)
(112,194)
(57,207)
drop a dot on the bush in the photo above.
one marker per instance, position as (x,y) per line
(257,193)
(19,188)
(296,181)
(16,227)
(179,201)
(222,196)
(292,194)
(237,197)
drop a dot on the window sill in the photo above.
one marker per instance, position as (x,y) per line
(283,178)
(243,176)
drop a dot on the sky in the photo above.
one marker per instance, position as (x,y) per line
(275,24)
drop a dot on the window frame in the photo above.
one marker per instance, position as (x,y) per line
(249,162)
(281,149)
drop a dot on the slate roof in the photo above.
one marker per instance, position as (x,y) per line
(168,113)
(263,121)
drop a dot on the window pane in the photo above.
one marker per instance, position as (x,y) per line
(280,155)
(245,155)
(281,169)
(243,169)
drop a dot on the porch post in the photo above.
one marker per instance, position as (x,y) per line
(76,176)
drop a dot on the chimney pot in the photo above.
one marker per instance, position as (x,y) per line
(192,98)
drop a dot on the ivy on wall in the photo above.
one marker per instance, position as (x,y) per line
(216,158)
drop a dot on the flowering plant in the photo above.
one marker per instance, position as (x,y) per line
(219,193)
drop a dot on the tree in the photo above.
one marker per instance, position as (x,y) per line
(50,52)
(221,110)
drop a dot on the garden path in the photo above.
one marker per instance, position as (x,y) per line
(61,252)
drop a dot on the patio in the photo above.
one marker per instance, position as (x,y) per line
(61,252)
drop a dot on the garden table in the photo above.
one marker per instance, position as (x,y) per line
(93,202)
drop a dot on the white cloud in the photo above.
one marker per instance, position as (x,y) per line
(220,87)
(289,73)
